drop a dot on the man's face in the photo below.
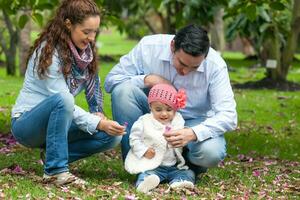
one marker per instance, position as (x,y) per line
(185,63)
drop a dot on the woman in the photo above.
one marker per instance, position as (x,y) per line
(62,63)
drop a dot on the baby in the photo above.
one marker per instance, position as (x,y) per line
(150,156)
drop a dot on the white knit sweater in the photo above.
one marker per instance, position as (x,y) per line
(150,134)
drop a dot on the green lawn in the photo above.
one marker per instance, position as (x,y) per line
(111,42)
(263,153)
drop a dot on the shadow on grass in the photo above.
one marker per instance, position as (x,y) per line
(267,83)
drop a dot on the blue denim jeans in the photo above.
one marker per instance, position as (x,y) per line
(50,125)
(170,174)
(130,102)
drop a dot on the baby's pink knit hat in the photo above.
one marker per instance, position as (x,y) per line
(167,94)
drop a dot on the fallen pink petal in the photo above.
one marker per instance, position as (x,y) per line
(130,197)
(256,173)
(18,170)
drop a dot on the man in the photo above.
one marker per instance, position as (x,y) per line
(185,61)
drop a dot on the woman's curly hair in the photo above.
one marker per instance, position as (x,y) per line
(56,35)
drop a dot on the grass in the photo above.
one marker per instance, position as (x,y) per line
(111,42)
(263,153)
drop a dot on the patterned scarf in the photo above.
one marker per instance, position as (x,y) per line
(80,77)
(83,60)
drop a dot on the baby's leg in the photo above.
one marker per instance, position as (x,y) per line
(182,178)
(150,179)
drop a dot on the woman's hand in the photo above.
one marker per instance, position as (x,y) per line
(101,115)
(150,153)
(111,127)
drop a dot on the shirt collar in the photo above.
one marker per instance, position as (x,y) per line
(166,55)
(201,67)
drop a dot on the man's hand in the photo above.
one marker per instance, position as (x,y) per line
(111,127)
(179,138)
(150,153)
(153,79)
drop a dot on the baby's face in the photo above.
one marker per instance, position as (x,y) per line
(162,112)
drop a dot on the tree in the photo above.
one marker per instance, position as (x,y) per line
(272,27)
(9,36)
(9,46)
(217,31)
(159,16)
(292,39)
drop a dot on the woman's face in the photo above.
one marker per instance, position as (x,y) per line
(84,33)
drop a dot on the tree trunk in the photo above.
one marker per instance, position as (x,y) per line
(10,65)
(217,31)
(292,39)
(272,52)
(248,49)
(10,50)
(169,24)
(24,47)
(11,54)
(284,58)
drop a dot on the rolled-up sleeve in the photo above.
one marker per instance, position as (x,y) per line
(86,121)
(130,68)
(223,105)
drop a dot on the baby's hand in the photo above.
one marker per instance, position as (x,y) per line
(150,153)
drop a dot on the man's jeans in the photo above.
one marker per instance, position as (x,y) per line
(130,102)
(50,125)
(170,174)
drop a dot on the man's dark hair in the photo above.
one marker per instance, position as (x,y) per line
(192,40)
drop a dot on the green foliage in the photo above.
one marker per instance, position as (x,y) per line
(258,20)
(23,20)
(38,18)
(132,16)
(35,6)
(271,27)
(201,12)
(16,14)
(277,5)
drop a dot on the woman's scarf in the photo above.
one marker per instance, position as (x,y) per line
(84,58)
(80,76)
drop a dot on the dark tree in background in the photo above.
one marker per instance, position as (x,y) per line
(273,29)
(15,15)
